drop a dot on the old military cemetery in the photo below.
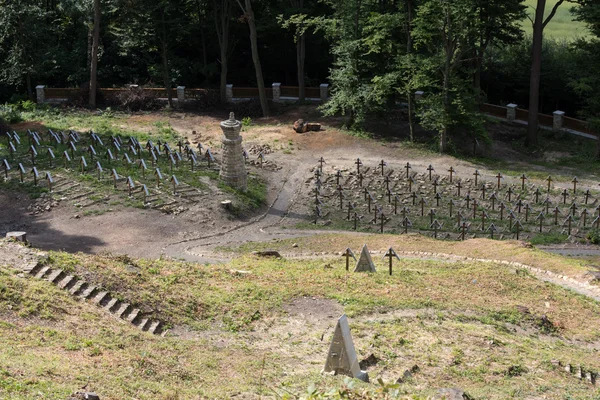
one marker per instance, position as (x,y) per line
(299,200)
(448,203)
(83,167)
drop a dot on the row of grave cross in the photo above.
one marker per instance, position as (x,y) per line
(131,145)
(365,262)
(435,224)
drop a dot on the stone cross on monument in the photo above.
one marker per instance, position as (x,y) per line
(233,166)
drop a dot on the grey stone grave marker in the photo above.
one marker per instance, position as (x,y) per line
(341,358)
(364,263)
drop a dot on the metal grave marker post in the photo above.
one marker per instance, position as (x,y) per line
(130,185)
(115,177)
(50,181)
(476,174)
(143,167)
(584,213)
(574,185)
(35,174)
(518,227)
(21,172)
(430,169)
(499,177)
(568,222)
(556,214)
(382,164)
(83,164)
(458,187)
(537,195)
(436,225)
(405,224)
(6,167)
(52,157)
(390,255)
(407,167)
(541,218)
(98,169)
(523,179)
(321,162)
(587,195)
(452,171)
(341,358)
(145,192)
(493,199)
(527,209)
(364,263)
(564,195)
(33,153)
(159,177)
(175,183)
(358,164)
(492,229)
(348,253)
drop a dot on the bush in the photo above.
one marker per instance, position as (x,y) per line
(136,99)
(593,236)
(10,114)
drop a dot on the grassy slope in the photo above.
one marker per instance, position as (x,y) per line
(458,322)
(562,25)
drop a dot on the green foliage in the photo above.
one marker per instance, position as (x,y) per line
(549,238)
(593,236)
(246,122)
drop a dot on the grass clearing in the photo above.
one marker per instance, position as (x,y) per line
(561,26)
(461,323)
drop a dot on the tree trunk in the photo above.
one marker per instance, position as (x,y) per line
(94,63)
(409,95)
(300,56)
(221,17)
(477,74)
(165,59)
(446,94)
(29,87)
(534,81)
(264,104)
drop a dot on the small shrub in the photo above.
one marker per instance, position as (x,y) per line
(246,122)
(593,236)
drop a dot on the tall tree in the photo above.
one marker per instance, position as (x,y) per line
(94,54)
(250,20)
(24,29)
(539,23)
(300,39)
(499,24)
(222,17)
(445,29)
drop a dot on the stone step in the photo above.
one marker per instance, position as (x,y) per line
(35,269)
(42,272)
(144,324)
(107,299)
(55,276)
(114,302)
(123,310)
(81,195)
(66,281)
(100,297)
(79,286)
(90,292)
(133,315)
(155,328)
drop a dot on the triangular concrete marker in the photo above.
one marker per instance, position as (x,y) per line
(341,358)
(365,263)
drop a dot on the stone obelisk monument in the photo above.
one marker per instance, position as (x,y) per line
(233,165)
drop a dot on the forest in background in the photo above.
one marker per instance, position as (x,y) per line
(373,53)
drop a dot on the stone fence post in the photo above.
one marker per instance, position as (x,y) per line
(557,122)
(180,94)
(40,93)
(511,111)
(276,91)
(324,87)
(419,95)
(229,92)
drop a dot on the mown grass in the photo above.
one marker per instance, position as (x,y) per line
(462,323)
(561,26)
(509,250)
